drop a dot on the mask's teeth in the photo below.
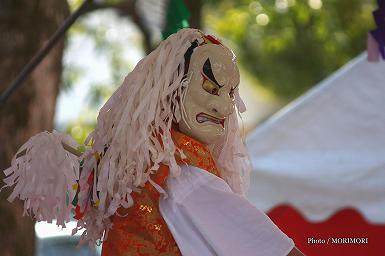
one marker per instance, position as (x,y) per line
(204,118)
(201,119)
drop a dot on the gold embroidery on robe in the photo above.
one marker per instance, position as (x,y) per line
(141,230)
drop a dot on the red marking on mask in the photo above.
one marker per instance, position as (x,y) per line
(212,39)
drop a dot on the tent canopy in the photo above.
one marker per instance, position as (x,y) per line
(326,150)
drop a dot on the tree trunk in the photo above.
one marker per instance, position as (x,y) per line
(195,8)
(25,27)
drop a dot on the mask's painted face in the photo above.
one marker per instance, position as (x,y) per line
(209,98)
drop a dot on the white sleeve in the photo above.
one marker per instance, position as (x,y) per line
(207,218)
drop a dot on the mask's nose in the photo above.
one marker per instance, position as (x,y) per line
(222,106)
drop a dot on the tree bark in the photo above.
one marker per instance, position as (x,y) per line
(195,8)
(25,27)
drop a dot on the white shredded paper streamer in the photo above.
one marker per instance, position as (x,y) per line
(134,128)
(43,177)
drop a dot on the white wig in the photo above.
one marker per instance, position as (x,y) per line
(130,127)
(140,112)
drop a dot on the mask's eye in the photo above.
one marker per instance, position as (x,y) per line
(210,87)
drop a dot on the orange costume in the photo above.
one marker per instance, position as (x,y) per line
(140,229)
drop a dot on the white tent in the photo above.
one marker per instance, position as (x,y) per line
(326,150)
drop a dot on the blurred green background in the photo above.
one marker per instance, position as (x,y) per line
(284,47)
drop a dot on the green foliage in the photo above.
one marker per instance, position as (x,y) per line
(99,94)
(287,45)
(79,129)
(71,75)
(291,45)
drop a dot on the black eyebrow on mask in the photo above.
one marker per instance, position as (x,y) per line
(209,72)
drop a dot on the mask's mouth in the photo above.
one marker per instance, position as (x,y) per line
(203,117)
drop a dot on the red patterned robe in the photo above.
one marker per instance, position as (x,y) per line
(141,230)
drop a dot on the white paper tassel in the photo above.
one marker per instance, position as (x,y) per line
(131,125)
(42,173)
